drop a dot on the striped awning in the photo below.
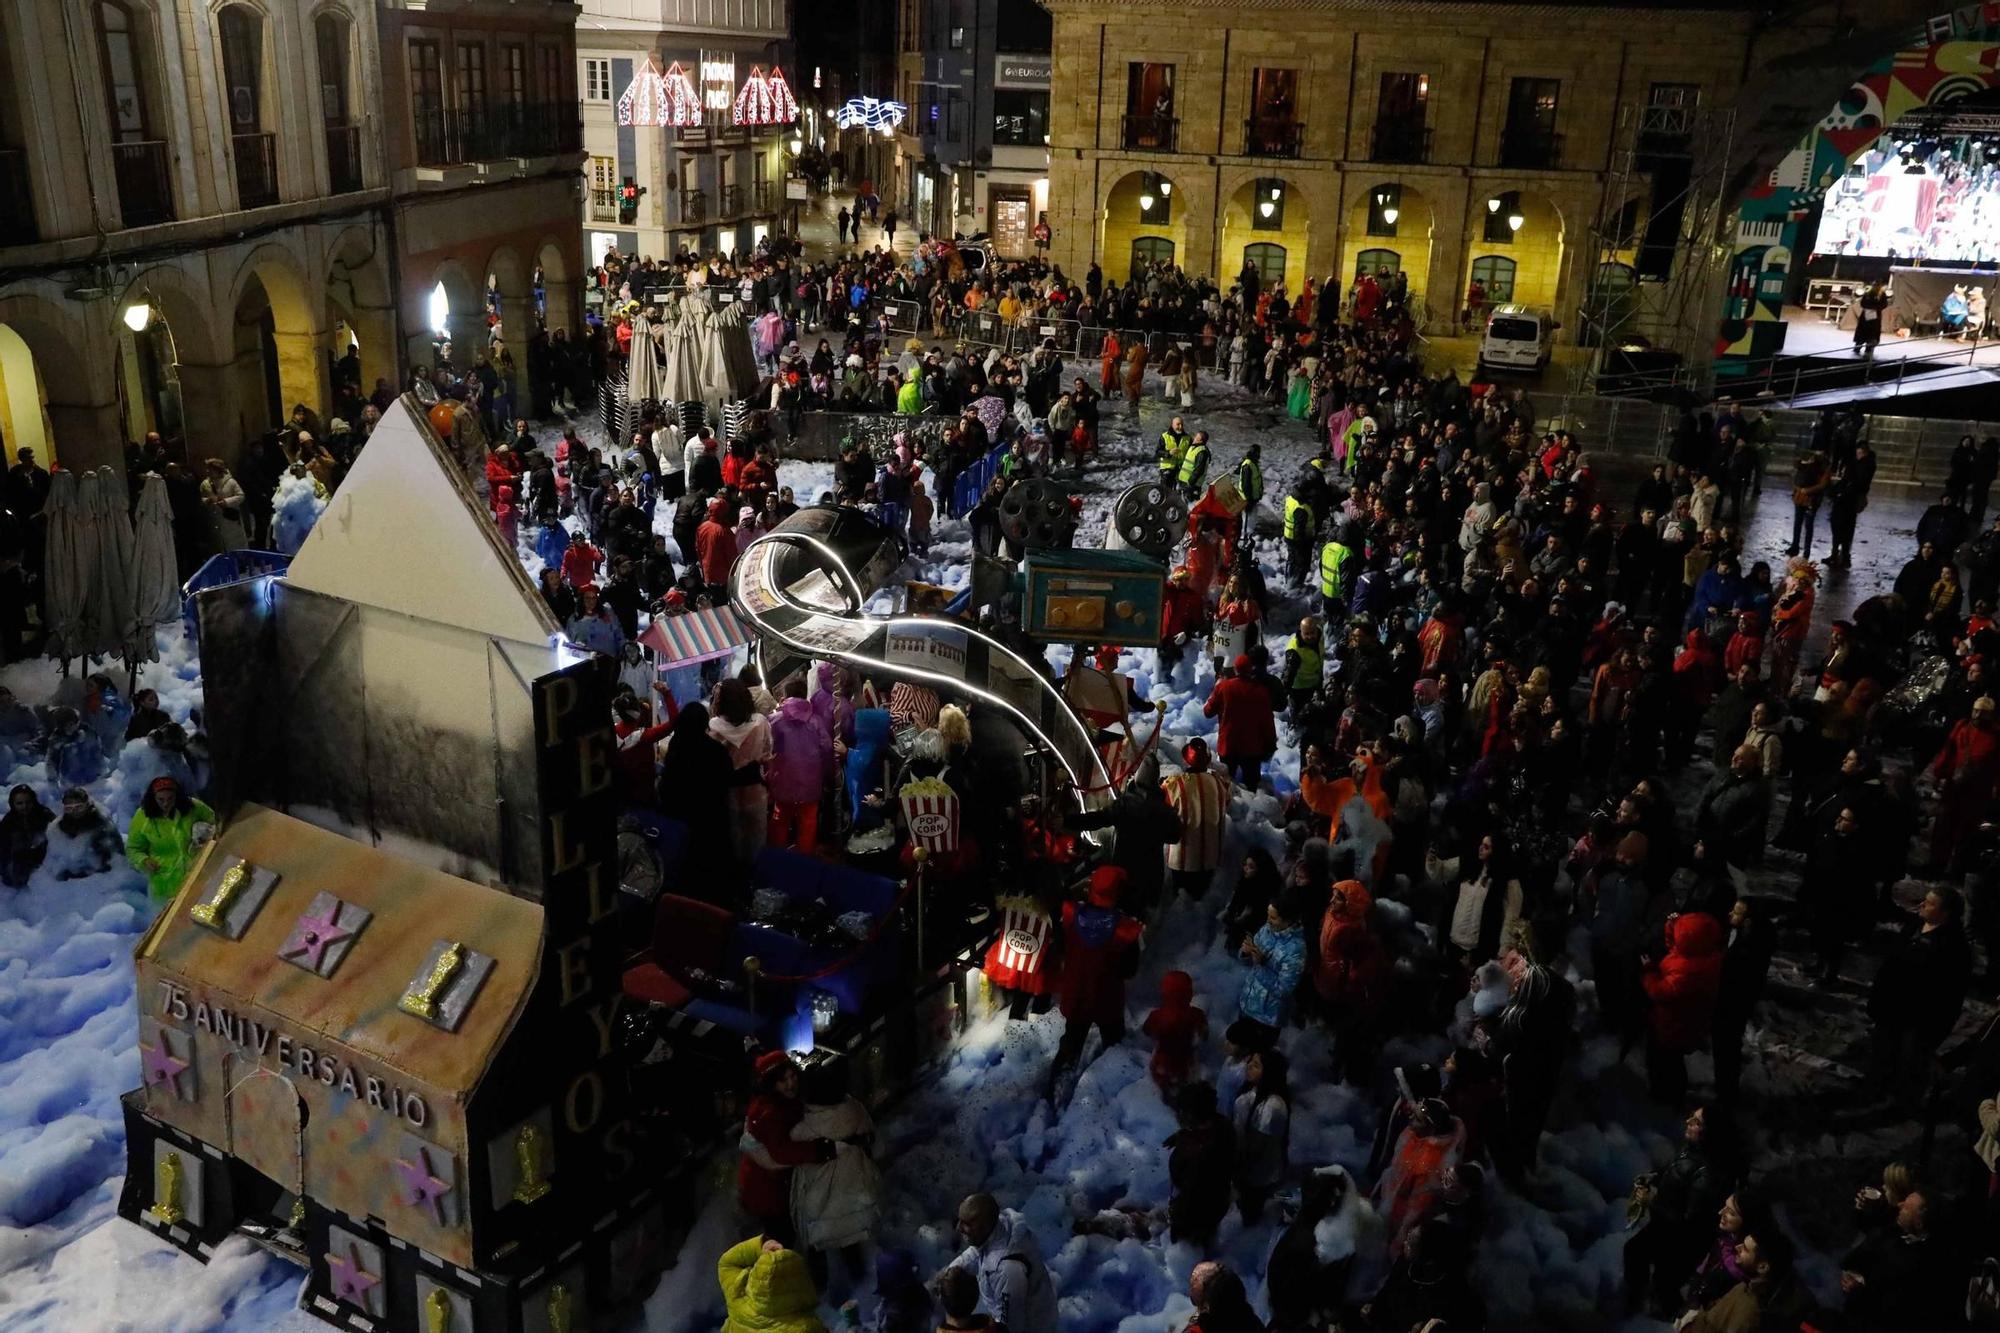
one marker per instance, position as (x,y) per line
(695,636)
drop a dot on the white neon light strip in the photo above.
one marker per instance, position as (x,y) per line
(813,650)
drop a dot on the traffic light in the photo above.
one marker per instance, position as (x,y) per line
(628,202)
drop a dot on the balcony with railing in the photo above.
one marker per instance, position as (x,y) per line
(603,205)
(732,201)
(343,158)
(145,186)
(1153,134)
(448,136)
(17,202)
(694,205)
(1273,137)
(1532,148)
(256,168)
(763,196)
(1401,141)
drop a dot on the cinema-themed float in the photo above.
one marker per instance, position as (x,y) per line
(430,1015)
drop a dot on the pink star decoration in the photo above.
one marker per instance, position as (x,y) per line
(422,1188)
(317,935)
(351,1282)
(161,1066)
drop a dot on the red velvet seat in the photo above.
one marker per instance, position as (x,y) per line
(688,936)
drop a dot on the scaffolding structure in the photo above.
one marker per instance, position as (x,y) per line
(1658,243)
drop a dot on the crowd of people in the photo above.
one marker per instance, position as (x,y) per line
(1572,763)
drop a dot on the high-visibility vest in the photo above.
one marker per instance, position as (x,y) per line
(1312,664)
(1333,561)
(1172,446)
(1193,463)
(1299,521)
(1250,480)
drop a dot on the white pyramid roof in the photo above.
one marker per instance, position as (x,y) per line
(406,533)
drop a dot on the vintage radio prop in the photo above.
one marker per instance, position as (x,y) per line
(1101,597)
(391,1061)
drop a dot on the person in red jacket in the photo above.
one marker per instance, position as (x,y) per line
(764,1171)
(1183,617)
(1352,974)
(1175,1027)
(580,562)
(1697,680)
(1100,952)
(1020,961)
(1746,645)
(715,548)
(634,764)
(1967,772)
(1246,732)
(1682,988)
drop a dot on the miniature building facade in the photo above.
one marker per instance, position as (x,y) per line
(376,1022)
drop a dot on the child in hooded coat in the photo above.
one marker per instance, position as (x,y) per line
(1683,987)
(767,1289)
(1175,1027)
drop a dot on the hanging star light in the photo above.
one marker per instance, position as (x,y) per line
(869,114)
(765,99)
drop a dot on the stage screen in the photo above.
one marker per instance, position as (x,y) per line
(1943,207)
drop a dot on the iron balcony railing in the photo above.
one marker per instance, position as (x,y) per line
(17,202)
(256,168)
(446,135)
(603,205)
(1154,134)
(145,188)
(1272,137)
(732,201)
(1401,141)
(343,158)
(694,205)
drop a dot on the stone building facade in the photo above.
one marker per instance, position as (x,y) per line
(203,204)
(1445,140)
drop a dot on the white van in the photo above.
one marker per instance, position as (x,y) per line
(1517,337)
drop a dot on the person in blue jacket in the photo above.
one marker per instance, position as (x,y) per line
(1276,955)
(1720,588)
(866,765)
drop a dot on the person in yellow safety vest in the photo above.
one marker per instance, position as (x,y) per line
(1336,577)
(1194,466)
(1250,477)
(1300,528)
(1173,444)
(1305,664)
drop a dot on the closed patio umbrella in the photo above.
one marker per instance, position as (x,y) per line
(156,585)
(729,371)
(642,370)
(109,621)
(680,374)
(69,564)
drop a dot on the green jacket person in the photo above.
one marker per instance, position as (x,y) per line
(166,829)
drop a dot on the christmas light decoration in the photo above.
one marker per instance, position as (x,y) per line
(765,99)
(660,100)
(868,113)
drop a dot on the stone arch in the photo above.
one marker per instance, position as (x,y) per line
(49,386)
(508,279)
(270,279)
(1245,223)
(558,286)
(1122,220)
(1409,235)
(1538,247)
(357,292)
(465,318)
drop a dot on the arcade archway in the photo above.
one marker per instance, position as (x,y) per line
(1142,221)
(1389,226)
(1517,250)
(24,398)
(1266,222)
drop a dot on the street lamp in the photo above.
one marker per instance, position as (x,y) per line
(1514,221)
(798,144)
(1166,188)
(137,317)
(1390,213)
(1493,204)
(1145,200)
(1267,207)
